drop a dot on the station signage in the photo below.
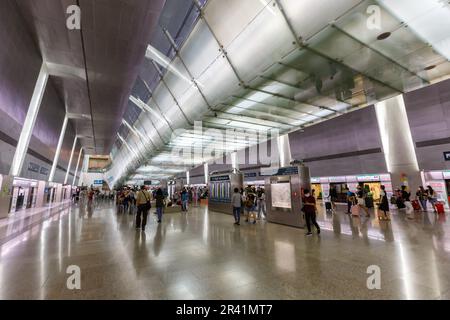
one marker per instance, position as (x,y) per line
(368,178)
(43,171)
(220,178)
(249,174)
(98,182)
(337,179)
(33,167)
(286,171)
(447,156)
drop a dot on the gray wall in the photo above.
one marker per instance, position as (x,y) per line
(428,112)
(349,144)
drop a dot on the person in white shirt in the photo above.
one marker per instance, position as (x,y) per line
(261,201)
(236,201)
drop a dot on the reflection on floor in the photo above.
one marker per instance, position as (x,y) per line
(203,255)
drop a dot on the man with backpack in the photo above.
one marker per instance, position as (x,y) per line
(143,199)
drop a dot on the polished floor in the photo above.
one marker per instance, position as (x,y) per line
(202,255)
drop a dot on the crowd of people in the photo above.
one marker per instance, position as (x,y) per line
(401,198)
(251,202)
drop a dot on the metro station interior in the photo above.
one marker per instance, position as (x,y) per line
(275,149)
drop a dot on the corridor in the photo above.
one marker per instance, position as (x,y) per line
(202,255)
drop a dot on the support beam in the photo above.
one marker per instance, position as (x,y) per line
(58,149)
(78,164)
(206,172)
(70,160)
(284,150)
(30,120)
(398,145)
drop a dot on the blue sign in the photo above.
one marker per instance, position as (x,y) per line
(98,182)
(33,167)
(286,171)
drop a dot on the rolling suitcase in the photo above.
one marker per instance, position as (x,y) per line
(416,205)
(439,207)
(355,210)
(328,206)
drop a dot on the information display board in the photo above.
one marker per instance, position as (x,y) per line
(281,195)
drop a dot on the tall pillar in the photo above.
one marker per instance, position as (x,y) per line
(30,120)
(188,178)
(284,151)
(398,145)
(70,160)
(78,164)
(58,149)
(206,172)
(234,162)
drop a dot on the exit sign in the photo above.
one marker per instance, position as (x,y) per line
(447,156)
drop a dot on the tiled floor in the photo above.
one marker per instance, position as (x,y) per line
(203,255)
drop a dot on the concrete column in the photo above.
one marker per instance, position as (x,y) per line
(58,149)
(78,164)
(206,171)
(30,120)
(284,150)
(398,145)
(70,160)
(234,161)
(188,178)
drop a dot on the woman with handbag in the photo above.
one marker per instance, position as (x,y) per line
(361,202)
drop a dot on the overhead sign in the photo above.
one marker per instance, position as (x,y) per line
(148,182)
(44,171)
(99,182)
(286,171)
(447,156)
(33,167)
(249,174)
(220,178)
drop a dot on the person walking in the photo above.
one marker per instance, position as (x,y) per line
(360,198)
(310,209)
(143,203)
(333,197)
(184,200)
(351,200)
(236,201)
(160,204)
(250,206)
(432,197)
(384,205)
(422,196)
(406,201)
(261,201)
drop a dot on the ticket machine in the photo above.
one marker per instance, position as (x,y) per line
(221,188)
